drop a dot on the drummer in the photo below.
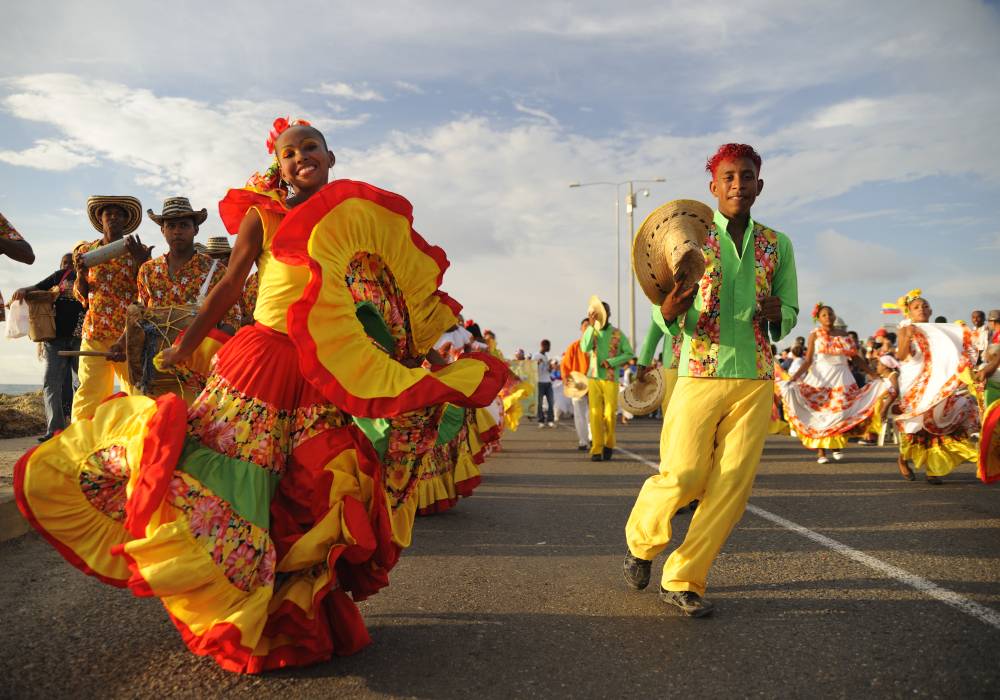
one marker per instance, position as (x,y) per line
(105,291)
(178,277)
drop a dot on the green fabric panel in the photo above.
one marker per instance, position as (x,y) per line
(653,337)
(247,487)
(451,422)
(376,430)
(374,325)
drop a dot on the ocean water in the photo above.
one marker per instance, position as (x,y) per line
(19,388)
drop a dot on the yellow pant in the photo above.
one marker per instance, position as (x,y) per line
(602,397)
(97,379)
(669,382)
(716,430)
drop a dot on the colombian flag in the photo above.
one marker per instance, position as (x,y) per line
(890,308)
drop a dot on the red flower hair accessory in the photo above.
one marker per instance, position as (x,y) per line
(282,124)
(816,309)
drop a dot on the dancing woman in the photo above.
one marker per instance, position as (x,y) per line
(822,401)
(261,514)
(938,415)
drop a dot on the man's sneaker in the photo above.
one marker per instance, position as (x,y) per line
(596,458)
(636,571)
(541,425)
(688,602)
(583,448)
(550,424)
(606,453)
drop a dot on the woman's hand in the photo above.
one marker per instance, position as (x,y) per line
(170,357)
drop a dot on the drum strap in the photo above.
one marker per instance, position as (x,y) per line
(203,292)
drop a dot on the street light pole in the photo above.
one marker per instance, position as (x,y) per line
(629,210)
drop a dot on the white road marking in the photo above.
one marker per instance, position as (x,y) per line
(948,597)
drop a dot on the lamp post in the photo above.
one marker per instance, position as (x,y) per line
(629,210)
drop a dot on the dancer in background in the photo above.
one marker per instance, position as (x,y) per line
(608,349)
(938,415)
(822,401)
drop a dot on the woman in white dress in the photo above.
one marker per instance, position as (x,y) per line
(822,401)
(938,414)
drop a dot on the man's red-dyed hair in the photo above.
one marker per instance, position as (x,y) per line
(731,151)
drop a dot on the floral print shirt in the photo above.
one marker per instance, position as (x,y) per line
(157,288)
(723,336)
(111,290)
(249,301)
(609,344)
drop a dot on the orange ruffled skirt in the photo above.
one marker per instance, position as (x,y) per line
(257,515)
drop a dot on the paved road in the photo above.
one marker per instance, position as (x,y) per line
(518,592)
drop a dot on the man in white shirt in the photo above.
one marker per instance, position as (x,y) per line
(980,335)
(545,387)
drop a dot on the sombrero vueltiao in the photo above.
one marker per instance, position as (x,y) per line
(667,250)
(595,307)
(643,396)
(130,205)
(575,386)
(178,208)
(218,245)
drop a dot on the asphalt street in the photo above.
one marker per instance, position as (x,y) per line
(518,592)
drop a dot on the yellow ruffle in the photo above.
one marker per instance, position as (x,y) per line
(52,491)
(513,409)
(835,442)
(941,457)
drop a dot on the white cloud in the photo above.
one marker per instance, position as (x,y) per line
(409,87)
(537,113)
(345,91)
(47,154)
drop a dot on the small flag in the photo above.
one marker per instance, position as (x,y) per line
(890,308)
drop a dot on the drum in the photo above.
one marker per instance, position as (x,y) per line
(41,315)
(147,332)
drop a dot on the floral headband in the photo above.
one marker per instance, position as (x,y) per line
(270,179)
(904,301)
(816,309)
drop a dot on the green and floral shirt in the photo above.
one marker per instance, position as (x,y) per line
(611,345)
(723,337)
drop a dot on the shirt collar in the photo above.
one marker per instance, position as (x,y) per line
(721,222)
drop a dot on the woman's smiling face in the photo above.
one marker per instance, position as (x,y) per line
(304,158)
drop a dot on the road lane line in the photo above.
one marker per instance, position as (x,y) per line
(948,597)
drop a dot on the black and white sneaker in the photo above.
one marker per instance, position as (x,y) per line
(688,602)
(636,571)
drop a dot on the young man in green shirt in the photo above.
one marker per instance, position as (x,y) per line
(718,416)
(608,349)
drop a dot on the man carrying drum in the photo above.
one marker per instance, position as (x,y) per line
(182,277)
(105,289)
(718,416)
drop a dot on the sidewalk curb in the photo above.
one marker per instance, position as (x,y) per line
(12,523)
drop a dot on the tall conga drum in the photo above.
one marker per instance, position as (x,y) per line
(41,315)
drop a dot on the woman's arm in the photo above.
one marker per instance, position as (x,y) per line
(249,242)
(903,342)
(17,250)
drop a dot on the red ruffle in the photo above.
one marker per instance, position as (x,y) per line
(237,202)
(990,425)
(161,451)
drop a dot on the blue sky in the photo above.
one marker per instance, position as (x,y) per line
(876,123)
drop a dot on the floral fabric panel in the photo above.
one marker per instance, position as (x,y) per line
(157,288)
(7,231)
(248,302)
(411,436)
(369,279)
(111,289)
(251,430)
(103,478)
(828,344)
(703,356)
(242,550)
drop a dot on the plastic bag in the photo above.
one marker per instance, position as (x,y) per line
(17,319)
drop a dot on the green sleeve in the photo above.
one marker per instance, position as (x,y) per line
(653,338)
(587,340)
(785,285)
(624,355)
